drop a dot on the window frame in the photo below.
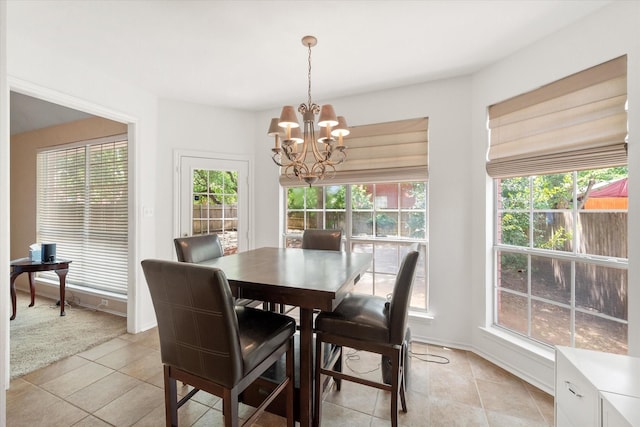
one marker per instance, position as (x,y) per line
(349,240)
(573,257)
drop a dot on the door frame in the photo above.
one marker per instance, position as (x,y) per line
(178,155)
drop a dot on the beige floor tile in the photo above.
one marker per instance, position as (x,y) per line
(146,367)
(103,349)
(418,376)
(103,391)
(211,418)
(148,338)
(24,397)
(77,379)
(55,370)
(445,385)
(203,397)
(132,406)
(418,411)
(353,396)
(91,421)
(188,414)
(336,415)
(158,379)
(123,356)
(453,414)
(544,402)
(497,419)
(519,404)
(379,422)
(362,364)
(58,413)
(485,370)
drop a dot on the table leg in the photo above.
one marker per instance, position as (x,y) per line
(32,289)
(12,288)
(62,275)
(306,366)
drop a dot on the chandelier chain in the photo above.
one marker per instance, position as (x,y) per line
(309,75)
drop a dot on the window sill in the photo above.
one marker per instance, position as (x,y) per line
(422,316)
(502,337)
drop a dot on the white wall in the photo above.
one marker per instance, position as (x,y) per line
(609,33)
(4,215)
(70,82)
(200,129)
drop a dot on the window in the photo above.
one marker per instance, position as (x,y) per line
(381,218)
(83,208)
(215,206)
(558,155)
(561,258)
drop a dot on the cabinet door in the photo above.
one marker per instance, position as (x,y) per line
(619,410)
(576,398)
(562,420)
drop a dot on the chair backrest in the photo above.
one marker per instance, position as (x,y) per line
(328,240)
(399,305)
(198,248)
(197,322)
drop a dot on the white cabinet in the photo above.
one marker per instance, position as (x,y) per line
(596,389)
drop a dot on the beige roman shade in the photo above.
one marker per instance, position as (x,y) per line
(576,123)
(382,152)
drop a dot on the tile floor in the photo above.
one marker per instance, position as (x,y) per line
(119,383)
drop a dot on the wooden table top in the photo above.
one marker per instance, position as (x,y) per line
(303,277)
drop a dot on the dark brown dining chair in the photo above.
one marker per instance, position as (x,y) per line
(367,323)
(328,240)
(198,248)
(211,344)
(201,248)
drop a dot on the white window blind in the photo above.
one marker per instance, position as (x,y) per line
(578,122)
(83,208)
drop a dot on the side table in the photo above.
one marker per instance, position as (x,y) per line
(25,265)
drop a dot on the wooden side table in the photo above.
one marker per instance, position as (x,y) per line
(25,265)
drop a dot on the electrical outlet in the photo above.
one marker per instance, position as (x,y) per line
(104,302)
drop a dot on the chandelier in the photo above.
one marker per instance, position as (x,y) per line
(301,155)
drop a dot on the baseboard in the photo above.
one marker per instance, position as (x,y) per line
(83,298)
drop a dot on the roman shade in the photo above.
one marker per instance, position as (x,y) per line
(390,151)
(576,123)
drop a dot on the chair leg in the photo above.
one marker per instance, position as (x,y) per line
(317,396)
(170,399)
(338,368)
(290,392)
(403,381)
(395,379)
(230,408)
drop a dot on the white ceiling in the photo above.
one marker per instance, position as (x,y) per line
(248,54)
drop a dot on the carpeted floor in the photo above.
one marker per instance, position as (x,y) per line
(40,336)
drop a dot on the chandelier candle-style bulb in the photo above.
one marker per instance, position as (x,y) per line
(311,161)
(274,130)
(340,130)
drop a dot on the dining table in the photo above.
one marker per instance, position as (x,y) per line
(306,278)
